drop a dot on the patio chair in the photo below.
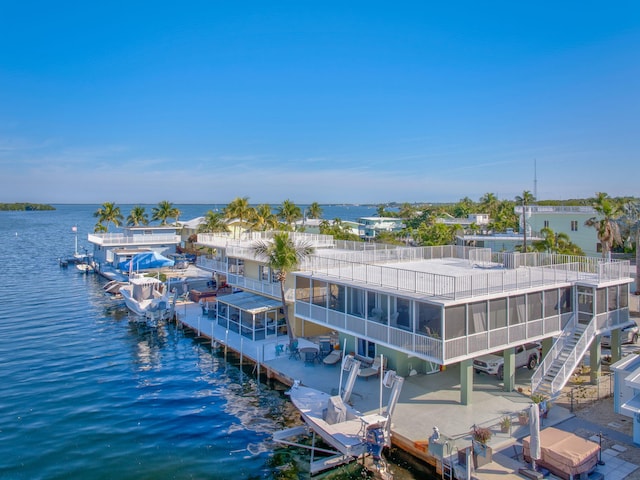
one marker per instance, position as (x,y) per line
(333,357)
(294,352)
(325,348)
(373,369)
(310,358)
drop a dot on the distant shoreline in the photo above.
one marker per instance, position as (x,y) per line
(24,207)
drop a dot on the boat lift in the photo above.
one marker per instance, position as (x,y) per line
(372,436)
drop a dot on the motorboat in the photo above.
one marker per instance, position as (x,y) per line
(148,297)
(348,432)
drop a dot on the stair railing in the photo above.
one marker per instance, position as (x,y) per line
(554,352)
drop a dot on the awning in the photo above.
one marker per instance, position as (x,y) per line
(250,302)
(632,406)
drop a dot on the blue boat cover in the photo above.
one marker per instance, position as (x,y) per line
(145,261)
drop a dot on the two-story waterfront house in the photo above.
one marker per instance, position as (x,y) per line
(370,227)
(424,308)
(109,249)
(569,220)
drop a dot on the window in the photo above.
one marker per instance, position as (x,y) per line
(517,312)
(478,318)
(366,348)
(613,298)
(355,302)
(402,314)
(429,320)
(497,313)
(337,297)
(551,307)
(302,289)
(601,300)
(454,322)
(534,306)
(574,225)
(319,296)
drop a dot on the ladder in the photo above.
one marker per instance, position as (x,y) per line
(447,469)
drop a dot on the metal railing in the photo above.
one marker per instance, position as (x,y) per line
(110,239)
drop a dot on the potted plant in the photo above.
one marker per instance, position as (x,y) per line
(523,417)
(482,453)
(543,404)
(505,424)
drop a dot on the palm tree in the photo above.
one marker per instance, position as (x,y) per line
(463,208)
(263,219)
(108,213)
(283,256)
(527,198)
(238,208)
(289,212)
(214,222)
(164,211)
(605,223)
(137,216)
(314,210)
(489,204)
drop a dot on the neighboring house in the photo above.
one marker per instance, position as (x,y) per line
(428,307)
(569,220)
(497,242)
(479,219)
(369,227)
(109,249)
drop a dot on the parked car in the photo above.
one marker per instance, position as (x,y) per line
(628,334)
(527,355)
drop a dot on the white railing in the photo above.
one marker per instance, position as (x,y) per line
(211,264)
(266,288)
(572,361)
(111,239)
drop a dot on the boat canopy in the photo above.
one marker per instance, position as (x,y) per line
(145,261)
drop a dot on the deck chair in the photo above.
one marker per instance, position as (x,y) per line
(310,358)
(294,352)
(333,357)
(373,370)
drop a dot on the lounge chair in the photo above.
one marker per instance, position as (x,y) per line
(333,357)
(373,369)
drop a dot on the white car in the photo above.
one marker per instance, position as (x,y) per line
(628,334)
(527,355)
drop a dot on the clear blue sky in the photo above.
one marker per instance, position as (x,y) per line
(359,102)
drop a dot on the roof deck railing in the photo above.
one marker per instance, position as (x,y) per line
(493,272)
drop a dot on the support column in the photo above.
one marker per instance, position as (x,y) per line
(594,360)
(509,372)
(616,345)
(466,381)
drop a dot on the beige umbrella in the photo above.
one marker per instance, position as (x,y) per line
(534,427)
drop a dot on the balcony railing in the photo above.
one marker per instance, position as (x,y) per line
(114,239)
(505,272)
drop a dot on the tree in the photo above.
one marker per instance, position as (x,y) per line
(263,219)
(137,216)
(463,208)
(164,211)
(605,224)
(214,222)
(527,198)
(289,212)
(314,211)
(283,256)
(108,213)
(556,243)
(489,204)
(238,208)
(407,211)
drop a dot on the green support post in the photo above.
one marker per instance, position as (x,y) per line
(466,381)
(595,360)
(616,346)
(509,372)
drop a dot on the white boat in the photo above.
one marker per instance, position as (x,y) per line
(147,297)
(347,431)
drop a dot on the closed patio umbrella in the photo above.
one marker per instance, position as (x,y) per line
(534,427)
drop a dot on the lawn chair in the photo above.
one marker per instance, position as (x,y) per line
(294,352)
(373,369)
(334,357)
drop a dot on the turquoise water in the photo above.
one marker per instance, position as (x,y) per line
(86,393)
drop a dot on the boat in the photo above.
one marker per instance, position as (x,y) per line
(148,297)
(112,288)
(349,433)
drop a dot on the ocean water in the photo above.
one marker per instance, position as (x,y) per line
(87,394)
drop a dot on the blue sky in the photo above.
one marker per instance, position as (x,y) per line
(358,102)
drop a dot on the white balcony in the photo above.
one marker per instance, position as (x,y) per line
(118,239)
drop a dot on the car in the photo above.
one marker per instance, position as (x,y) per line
(628,334)
(527,355)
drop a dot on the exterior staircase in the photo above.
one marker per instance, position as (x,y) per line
(558,365)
